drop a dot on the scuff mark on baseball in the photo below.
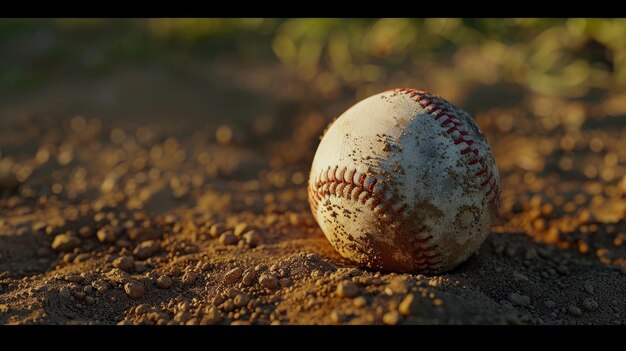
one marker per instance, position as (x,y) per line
(405,181)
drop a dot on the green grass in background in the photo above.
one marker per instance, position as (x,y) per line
(566,57)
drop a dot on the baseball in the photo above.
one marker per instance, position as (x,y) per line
(404,181)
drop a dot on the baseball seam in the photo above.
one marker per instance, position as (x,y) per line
(355,186)
(436,108)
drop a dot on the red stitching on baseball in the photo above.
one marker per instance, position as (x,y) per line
(351,176)
(376,202)
(372,185)
(331,183)
(427,249)
(491,187)
(341,173)
(361,179)
(424,240)
(432,103)
(487,180)
(482,171)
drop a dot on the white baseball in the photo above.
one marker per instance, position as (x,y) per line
(405,181)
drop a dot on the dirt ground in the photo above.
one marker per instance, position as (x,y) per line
(149,198)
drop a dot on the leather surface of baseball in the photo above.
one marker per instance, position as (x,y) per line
(404,181)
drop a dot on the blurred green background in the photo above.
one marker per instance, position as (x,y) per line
(565,57)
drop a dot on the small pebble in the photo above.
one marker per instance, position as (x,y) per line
(233,275)
(80,295)
(391,318)
(125,263)
(268,281)
(347,289)
(134,289)
(408,306)
(549,303)
(590,304)
(284,282)
(82,257)
(240,229)
(241,300)
(252,238)
(147,249)
(218,300)
(184,306)
(217,229)
(228,306)
(101,286)
(248,277)
(170,219)
(519,277)
(106,235)
(164,282)
(338,317)
(182,317)
(518,299)
(588,287)
(65,243)
(228,238)
(189,278)
(359,301)
(211,318)
(574,311)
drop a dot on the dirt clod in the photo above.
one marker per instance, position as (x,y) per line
(189,278)
(268,281)
(233,276)
(409,305)
(125,263)
(347,289)
(519,300)
(106,235)
(590,304)
(252,238)
(65,243)
(147,249)
(228,238)
(164,282)
(391,318)
(574,311)
(134,289)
